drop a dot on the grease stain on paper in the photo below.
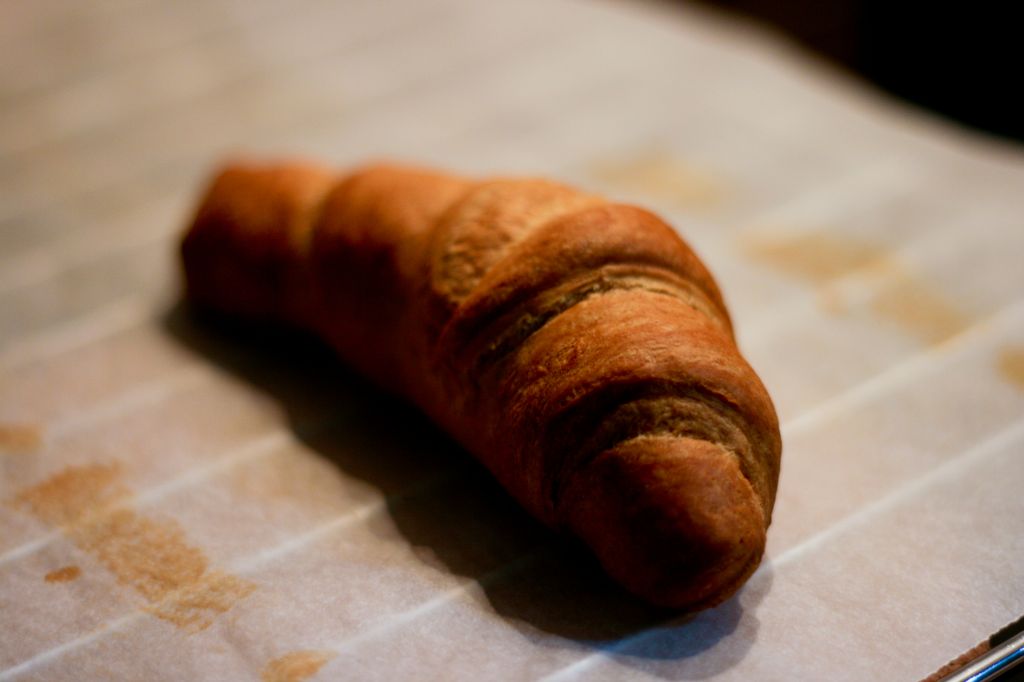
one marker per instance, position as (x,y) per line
(814,256)
(21,438)
(1011,364)
(75,492)
(64,574)
(904,298)
(151,556)
(661,176)
(910,303)
(295,666)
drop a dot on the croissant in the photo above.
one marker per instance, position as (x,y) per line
(578,348)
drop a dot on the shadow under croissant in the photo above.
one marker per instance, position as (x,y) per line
(463,523)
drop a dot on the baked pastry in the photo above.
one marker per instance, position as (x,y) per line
(577,347)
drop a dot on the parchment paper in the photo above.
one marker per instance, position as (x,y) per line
(182,500)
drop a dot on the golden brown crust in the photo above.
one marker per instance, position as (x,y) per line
(643,505)
(578,348)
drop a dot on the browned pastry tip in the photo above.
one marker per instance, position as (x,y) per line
(673,518)
(578,348)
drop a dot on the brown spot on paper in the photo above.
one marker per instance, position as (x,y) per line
(195,605)
(295,666)
(815,256)
(910,303)
(1011,364)
(153,557)
(904,298)
(69,496)
(661,176)
(20,437)
(63,575)
(832,301)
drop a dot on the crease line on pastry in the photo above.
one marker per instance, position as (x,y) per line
(454,291)
(602,408)
(527,323)
(511,324)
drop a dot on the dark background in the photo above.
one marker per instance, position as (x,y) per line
(964,61)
